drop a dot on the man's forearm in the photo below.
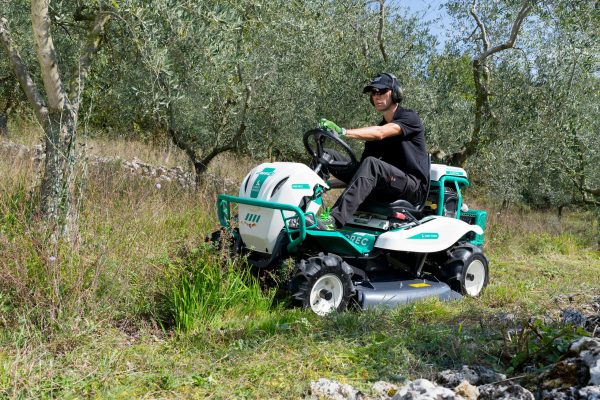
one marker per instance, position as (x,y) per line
(371,133)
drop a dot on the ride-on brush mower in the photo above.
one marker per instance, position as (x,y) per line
(390,253)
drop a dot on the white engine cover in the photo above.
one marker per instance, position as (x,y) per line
(279,182)
(436,234)
(439,170)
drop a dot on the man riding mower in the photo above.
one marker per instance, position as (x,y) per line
(399,232)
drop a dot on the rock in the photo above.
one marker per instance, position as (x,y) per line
(589,393)
(422,389)
(384,390)
(592,359)
(332,390)
(565,373)
(560,394)
(487,375)
(467,391)
(475,375)
(504,391)
(450,378)
(586,393)
(585,343)
(573,317)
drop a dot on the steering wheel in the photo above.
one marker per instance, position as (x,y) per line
(320,157)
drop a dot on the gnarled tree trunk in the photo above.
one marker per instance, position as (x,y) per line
(58,116)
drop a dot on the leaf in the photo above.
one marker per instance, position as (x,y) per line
(115,4)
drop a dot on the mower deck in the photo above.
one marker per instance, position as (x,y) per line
(391,293)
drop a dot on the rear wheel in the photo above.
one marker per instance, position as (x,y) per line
(323,284)
(467,271)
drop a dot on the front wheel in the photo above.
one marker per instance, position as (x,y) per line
(323,284)
(467,271)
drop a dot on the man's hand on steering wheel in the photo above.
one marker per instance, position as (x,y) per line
(315,142)
(329,125)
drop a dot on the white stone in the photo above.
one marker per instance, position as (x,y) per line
(332,390)
(384,390)
(592,360)
(585,343)
(466,390)
(590,393)
(422,389)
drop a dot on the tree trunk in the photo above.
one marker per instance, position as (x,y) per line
(56,206)
(3,125)
(560,211)
(57,116)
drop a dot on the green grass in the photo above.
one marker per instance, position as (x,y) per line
(142,308)
(209,290)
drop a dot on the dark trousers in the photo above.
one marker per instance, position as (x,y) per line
(376,178)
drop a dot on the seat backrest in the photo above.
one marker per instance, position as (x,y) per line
(421,205)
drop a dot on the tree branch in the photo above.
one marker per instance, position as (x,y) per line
(407,51)
(592,191)
(85,61)
(46,54)
(481,79)
(380,31)
(33,95)
(233,144)
(587,193)
(242,127)
(525,8)
(481,25)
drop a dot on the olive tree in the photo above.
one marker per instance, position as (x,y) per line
(251,77)
(497,26)
(57,108)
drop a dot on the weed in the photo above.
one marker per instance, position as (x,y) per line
(538,343)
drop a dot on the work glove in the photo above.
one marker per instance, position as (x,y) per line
(327,124)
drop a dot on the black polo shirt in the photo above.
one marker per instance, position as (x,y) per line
(406,151)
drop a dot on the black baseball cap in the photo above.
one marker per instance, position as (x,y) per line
(380,82)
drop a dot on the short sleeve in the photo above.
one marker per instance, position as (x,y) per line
(409,122)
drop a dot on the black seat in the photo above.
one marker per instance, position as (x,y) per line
(389,208)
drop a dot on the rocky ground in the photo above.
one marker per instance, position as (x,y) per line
(576,376)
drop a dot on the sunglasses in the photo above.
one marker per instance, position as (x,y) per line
(379,92)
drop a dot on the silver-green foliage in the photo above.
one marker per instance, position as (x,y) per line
(541,142)
(251,76)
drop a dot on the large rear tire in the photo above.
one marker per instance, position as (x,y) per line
(323,284)
(467,270)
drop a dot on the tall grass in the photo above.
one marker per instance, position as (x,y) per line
(43,281)
(130,229)
(116,272)
(208,291)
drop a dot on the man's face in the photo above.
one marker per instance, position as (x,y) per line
(382,99)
